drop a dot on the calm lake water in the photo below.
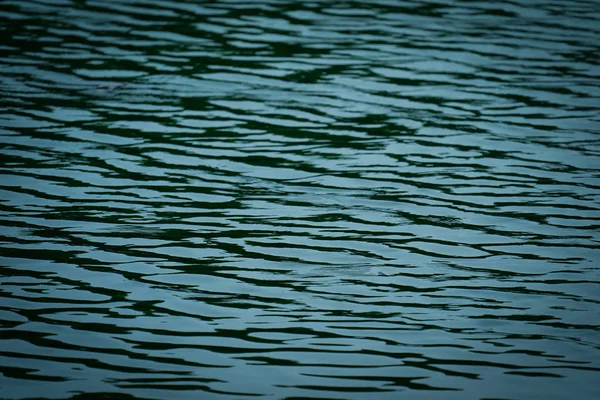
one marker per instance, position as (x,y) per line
(300,199)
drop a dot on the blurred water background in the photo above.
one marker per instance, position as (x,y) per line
(300,199)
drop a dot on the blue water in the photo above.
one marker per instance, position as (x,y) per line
(285,199)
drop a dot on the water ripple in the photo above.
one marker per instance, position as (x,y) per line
(242,199)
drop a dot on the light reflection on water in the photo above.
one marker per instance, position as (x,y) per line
(300,199)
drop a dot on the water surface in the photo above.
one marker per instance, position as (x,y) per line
(286,199)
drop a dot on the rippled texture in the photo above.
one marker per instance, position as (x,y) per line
(285,199)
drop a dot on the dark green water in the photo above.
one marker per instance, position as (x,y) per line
(300,199)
